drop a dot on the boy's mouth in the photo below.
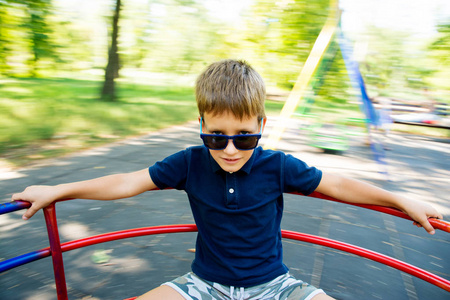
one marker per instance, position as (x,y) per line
(231,160)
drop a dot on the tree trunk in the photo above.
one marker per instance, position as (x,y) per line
(112,69)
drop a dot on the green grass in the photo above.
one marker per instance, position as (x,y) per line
(42,118)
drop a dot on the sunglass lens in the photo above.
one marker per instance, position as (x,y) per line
(215,142)
(246,142)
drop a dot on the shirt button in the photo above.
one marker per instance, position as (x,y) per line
(231,191)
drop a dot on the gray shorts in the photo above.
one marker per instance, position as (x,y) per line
(284,287)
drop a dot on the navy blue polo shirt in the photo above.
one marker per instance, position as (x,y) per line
(238,214)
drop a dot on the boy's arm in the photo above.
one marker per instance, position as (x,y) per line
(355,191)
(103,188)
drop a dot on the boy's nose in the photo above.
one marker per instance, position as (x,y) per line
(230,149)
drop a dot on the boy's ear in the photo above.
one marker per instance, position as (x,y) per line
(200,123)
(264,120)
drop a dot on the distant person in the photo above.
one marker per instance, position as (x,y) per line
(384,120)
(438,108)
(235,190)
(430,103)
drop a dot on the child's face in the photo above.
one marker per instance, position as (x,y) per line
(230,159)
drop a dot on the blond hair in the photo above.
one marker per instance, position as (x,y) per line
(231,86)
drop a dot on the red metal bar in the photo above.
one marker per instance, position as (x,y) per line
(437,224)
(375,256)
(384,259)
(55,249)
(129,233)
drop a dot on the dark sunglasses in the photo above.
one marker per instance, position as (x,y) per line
(220,141)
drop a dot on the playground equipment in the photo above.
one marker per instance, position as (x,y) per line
(56,249)
(330,39)
(303,80)
(329,137)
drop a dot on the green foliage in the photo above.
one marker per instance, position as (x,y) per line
(9,24)
(39,38)
(399,65)
(164,37)
(39,31)
(439,59)
(46,111)
(154,37)
(441,45)
(283,34)
(25,35)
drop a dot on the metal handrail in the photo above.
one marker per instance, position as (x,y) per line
(56,248)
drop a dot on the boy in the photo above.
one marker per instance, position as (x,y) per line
(235,190)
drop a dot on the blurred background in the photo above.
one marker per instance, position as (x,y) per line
(79,73)
(75,74)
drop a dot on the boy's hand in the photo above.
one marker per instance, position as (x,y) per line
(40,196)
(420,212)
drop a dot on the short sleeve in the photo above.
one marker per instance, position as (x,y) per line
(170,172)
(299,177)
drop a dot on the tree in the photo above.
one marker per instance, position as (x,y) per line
(24,29)
(41,45)
(112,68)
(5,36)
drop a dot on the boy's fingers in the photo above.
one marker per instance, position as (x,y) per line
(16,197)
(29,213)
(31,210)
(427,226)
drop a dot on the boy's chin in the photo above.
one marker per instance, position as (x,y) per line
(231,169)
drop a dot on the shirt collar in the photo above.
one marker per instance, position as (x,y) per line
(245,168)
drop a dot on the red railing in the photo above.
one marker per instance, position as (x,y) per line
(56,248)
